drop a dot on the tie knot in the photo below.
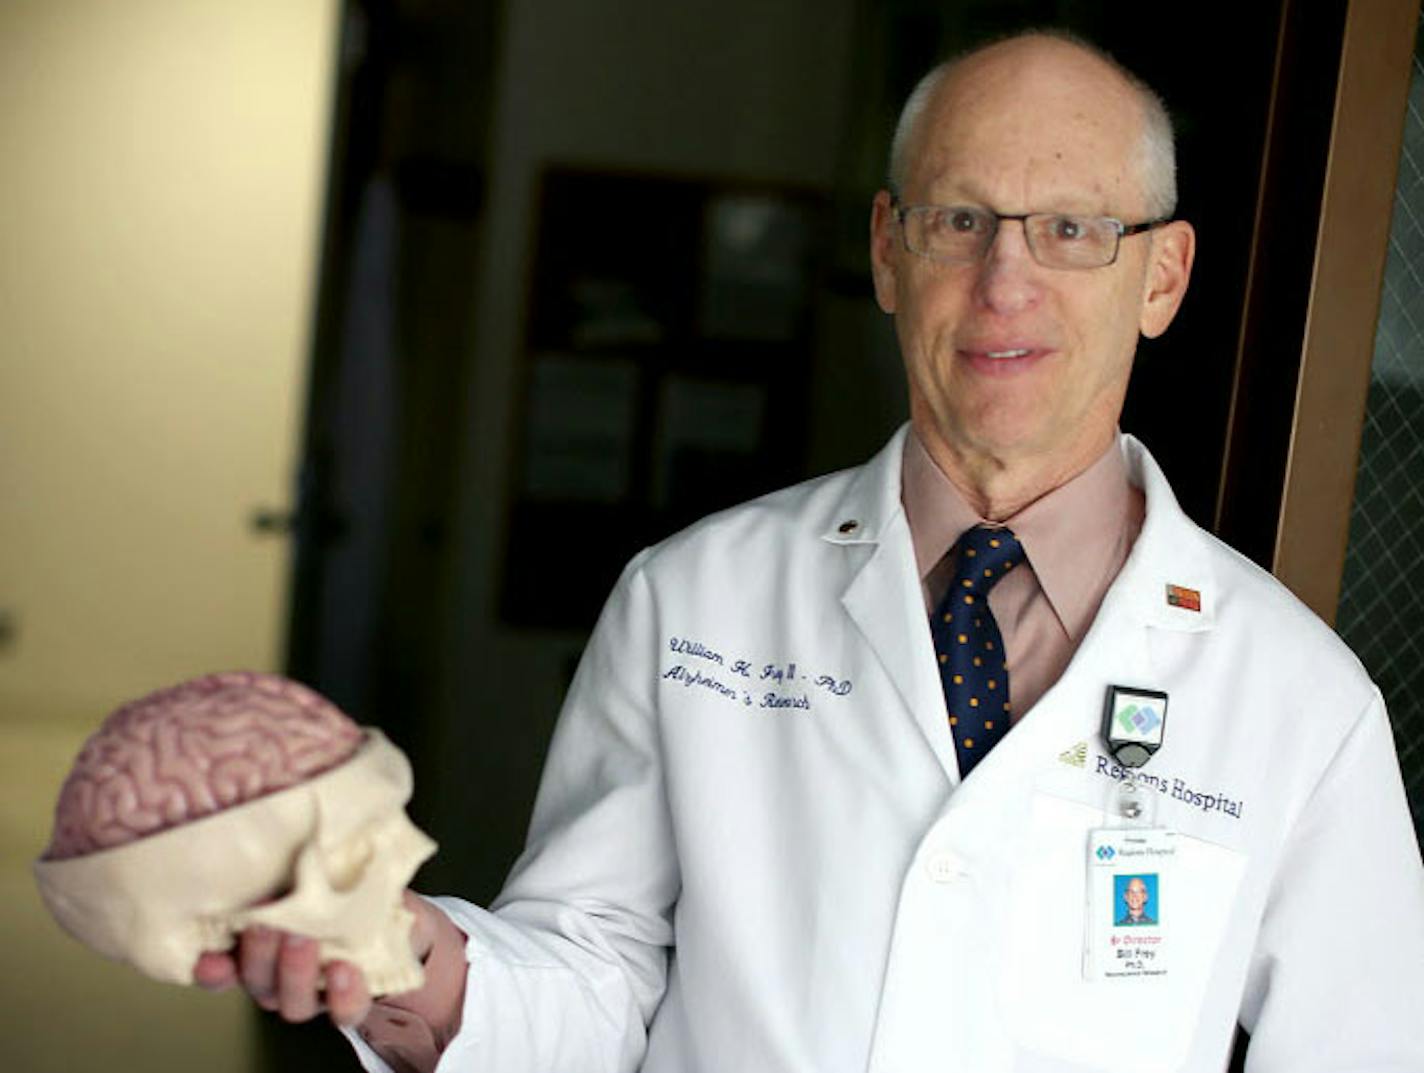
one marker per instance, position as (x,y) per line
(986,554)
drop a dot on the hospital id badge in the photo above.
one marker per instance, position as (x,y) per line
(1127,934)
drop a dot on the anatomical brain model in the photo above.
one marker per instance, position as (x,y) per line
(233,800)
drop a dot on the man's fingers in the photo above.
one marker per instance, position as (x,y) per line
(347,998)
(296,979)
(257,955)
(280,972)
(215,971)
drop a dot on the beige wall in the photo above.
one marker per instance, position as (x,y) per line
(160,207)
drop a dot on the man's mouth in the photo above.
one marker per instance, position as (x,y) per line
(1003,360)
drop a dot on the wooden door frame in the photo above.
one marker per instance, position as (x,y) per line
(1312,514)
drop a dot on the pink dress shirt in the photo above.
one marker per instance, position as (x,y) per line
(1076,539)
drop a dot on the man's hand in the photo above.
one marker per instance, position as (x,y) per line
(408,1031)
(280,971)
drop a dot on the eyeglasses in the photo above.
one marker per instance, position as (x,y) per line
(962,234)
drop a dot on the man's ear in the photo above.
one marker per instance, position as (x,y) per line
(1174,246)
(882,250)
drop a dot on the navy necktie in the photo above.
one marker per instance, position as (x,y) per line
(972,665)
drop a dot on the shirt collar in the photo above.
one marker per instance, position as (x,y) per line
(1075,536)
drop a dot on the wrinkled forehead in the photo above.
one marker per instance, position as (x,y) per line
(1039,127)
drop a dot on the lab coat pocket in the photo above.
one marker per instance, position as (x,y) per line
(1147,1022)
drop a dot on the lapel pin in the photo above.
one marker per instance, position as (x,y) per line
(1186,599)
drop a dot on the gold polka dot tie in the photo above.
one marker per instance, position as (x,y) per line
(969,648)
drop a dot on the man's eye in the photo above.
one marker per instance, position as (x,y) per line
(953,221)
(1068,229)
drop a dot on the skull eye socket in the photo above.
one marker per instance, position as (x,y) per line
(346,863)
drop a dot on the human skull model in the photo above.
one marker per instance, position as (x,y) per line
(228,801)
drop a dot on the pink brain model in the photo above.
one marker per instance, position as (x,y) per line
(194,749)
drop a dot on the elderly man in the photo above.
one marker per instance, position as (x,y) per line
(829,783)
(1134,905)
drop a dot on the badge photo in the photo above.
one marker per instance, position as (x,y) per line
(1137,896)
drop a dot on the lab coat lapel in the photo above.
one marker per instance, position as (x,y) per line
(884,599)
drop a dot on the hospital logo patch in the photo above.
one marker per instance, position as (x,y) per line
(1138,719)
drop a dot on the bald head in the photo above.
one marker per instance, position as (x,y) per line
(1053,64)
(1018,365)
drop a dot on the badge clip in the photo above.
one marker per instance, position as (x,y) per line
(1134,722)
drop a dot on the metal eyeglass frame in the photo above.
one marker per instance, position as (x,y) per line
(1123,231)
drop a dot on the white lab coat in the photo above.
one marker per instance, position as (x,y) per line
(812,888)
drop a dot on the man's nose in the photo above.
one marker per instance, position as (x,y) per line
(1008,275)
